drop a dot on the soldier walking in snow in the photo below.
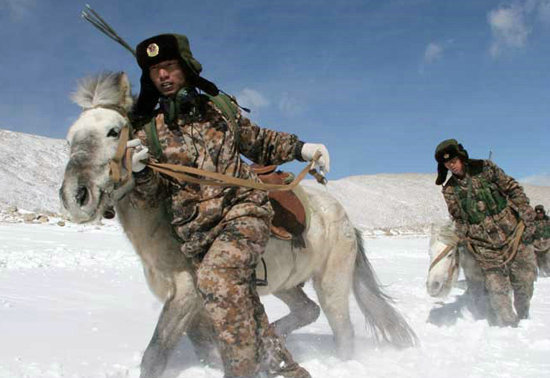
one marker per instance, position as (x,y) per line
(542,222)
(494,219)
(542,240)
(224,230)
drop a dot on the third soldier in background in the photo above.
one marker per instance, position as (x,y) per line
(542,241)
(494,220)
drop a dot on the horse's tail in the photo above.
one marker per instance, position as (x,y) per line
(384,321)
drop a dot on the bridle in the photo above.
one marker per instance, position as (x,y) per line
(122,155)
(444,253)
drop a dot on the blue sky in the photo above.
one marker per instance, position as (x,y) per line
(380,82)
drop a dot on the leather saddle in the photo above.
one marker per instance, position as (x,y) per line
(289,221)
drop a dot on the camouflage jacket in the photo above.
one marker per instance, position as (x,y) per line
(543,228)
(201,137)
(486,204)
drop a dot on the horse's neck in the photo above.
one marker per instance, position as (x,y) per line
(149,231)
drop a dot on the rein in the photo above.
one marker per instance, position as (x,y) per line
(183,173)
(441,256)
(511,250)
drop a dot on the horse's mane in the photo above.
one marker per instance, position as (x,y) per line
(444,232)
(101,89)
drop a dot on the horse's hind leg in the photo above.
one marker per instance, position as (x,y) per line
(303,311)
(177,314)
(333,287)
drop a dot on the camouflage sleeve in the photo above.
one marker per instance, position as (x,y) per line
(512,190)
(454,211)
(266,147)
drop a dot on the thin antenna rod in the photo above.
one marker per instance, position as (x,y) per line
(99,23)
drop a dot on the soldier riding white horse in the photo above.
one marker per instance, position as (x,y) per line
(333,256)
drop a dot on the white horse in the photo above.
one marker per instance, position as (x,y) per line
(447,257)
(333,257)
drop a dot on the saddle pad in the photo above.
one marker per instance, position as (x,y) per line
(289,221)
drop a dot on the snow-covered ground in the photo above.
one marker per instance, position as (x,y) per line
(73,303)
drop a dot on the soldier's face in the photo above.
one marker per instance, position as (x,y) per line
(456,166)
(540,214)
(167,76)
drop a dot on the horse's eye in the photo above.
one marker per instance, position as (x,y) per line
(113,133)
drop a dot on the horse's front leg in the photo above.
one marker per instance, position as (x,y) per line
(201,333)
(177,313)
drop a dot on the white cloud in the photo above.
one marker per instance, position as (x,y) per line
(512,24)
(433,52)
(289,105)
(509,28)
(251,98)
(17,8)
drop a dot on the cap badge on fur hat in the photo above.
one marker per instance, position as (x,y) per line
(446,156)
(152,50)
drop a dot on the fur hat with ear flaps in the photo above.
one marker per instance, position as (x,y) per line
(161,48)
(445,151)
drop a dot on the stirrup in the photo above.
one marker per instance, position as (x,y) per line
(260,282)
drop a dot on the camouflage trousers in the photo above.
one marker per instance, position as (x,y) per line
(518,277)
(226,281)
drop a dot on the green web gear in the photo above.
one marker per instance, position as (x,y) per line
(222,102)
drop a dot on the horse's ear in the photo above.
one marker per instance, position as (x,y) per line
(125,97)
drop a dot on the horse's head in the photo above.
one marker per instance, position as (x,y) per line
(443,271)
(88,186)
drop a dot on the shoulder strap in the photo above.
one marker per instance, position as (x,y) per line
(224,103)
(153,139)
(228,107)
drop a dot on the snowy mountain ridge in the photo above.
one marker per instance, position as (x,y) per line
(32,170)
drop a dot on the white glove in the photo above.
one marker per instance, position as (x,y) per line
(141,153)
(309,149)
